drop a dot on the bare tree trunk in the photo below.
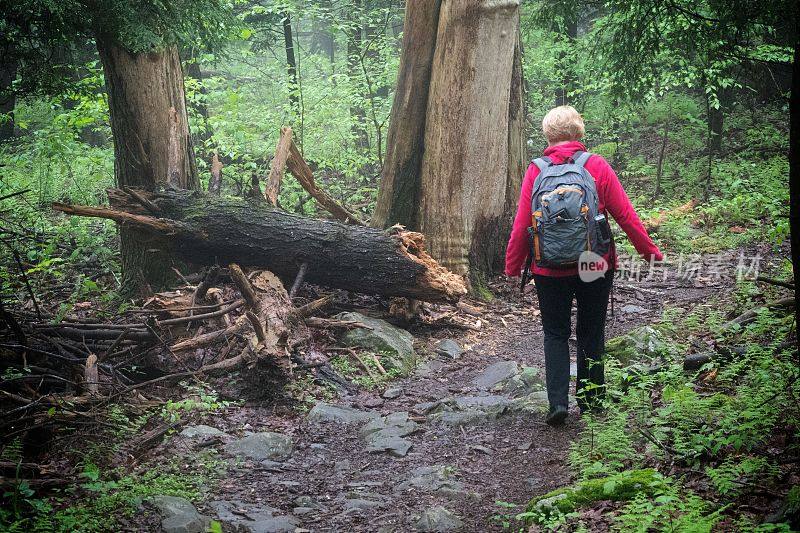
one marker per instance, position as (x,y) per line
(398,196)
(794,175)
(463,189)
(8,73)
(151,143)
(291,63)
(465,168)
(662,152)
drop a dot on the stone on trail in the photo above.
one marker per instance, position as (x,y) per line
(633,309)
(642,342)
(496,373)
(254,518)
(469,410)
(438,479)
(200,431)
(325,412)
(392,392)
(437,519)
(395,343)
(448,348)
(262,446)
(385,434)
(178,515)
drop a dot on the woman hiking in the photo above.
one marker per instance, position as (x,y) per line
(563,207)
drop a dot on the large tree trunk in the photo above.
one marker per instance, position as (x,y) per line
(472,163)
(470,85)
(8,73)
(204,229)
(398,196)
(151,143)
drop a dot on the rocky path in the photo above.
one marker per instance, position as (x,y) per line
(434,451)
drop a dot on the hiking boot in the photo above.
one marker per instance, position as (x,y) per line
(557,416)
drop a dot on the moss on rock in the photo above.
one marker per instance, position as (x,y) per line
(618,487)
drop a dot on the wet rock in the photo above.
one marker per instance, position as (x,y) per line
(373,402)
(200,431)
(359,504)
(437,519)
(448,348)
(429,368)
(262,446)
(325,412)
(385,434)
(633,309)
(470,410)
(255,518)
(496,373)
(392,392)
(396,344)
(178,515)
(439,479)
(639,343)
(526,381)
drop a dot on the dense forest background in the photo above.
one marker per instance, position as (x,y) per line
(687,99)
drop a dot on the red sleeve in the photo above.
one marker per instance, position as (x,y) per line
(619,206)
(517,250)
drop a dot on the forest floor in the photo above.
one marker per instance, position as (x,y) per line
(462,442)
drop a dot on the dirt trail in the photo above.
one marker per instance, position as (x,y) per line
(473,440)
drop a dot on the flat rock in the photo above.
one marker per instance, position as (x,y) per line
(496,373)
(429,368)
(200,431)
(392,392)
(396,344)
(325,412)
(385,434)
(437,519)
(262,446)
(438,479)
(448,348)
(255,518)
(178,515)
(360,504)
(633,309)
(471,410)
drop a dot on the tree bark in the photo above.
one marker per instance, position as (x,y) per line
(151,143)
(794,174)
(203,229)
(398,196)
(466,178)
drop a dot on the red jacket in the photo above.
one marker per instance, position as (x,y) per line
(613,201)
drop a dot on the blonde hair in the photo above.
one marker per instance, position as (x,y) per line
(563,123)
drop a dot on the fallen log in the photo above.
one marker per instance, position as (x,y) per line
(206,230)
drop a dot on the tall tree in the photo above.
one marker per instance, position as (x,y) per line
(137,43)
(152,147)
(456,148)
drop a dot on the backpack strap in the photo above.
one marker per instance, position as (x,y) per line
(580,158)
(542,163)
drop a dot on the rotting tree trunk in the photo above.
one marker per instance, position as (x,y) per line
(152,147)
(465,171)
(461,192)
(203,229)
(400,182)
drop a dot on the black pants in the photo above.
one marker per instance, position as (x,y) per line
(555,303)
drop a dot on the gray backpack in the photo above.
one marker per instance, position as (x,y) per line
(565,218)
